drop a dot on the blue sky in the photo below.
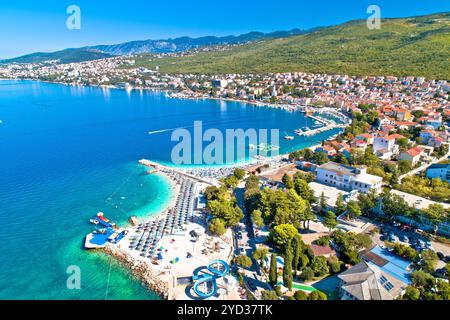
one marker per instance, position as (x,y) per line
(30,26)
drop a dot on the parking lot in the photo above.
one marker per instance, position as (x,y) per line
(398,233)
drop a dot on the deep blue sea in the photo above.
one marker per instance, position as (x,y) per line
(68,152)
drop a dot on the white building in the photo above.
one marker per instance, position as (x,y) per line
(384,144)
(348,178)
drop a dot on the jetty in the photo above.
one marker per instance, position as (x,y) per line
(157,167)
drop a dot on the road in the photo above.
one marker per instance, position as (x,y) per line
(253,277)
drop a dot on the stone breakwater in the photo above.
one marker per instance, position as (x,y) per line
(142,271)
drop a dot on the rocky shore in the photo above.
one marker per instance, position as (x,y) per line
(142,271)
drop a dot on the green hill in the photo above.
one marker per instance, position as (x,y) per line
(418,46)
(63,56)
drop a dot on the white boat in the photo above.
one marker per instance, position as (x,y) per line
(93,221)
(287,137)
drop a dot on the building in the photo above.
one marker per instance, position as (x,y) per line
(328,150)
(403,115)
(348,178)
(426,135)
(412,155)
(441,171)
(384,144)
(219,83)
(380,276)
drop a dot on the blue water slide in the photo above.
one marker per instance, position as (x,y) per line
(219,269)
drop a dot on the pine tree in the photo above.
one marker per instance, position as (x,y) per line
(287,269)
(323,202)
(340,206)
(329,220)
(297,249)
(273,276)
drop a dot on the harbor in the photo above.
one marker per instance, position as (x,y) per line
(322,124)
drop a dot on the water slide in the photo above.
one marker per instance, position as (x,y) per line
(218,269)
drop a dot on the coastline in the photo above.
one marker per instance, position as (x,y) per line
(141,269)
(144,270)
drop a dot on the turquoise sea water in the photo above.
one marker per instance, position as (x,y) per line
(68,152)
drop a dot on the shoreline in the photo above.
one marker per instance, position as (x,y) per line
(140,269)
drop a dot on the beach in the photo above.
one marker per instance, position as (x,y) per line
(171,245)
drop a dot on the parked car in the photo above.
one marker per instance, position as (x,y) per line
(441,256)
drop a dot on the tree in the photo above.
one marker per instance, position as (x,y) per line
(303,261)
(217,226)
(411,293)
(307,274)
(367,201)
(282,234)
(226,210)
(330,221)
(260,254)
(287,181)
(297,249)
(349,256)
(320,158)
(429,260)
(257,218)
(269,295)
(394,205)
(214,193)
(436,213)
(231,182)
(273,273)
(243,261)
(340,206)
(323,202)
(304,190)
(422,279)
(404,166)
(319,266)
(323,241)
(300,295)
(308,154)
(287,269)
(353,209)
(334,265)
(239,173)
(317,295)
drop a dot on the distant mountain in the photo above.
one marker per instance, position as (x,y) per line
(63,56)
(418,46)
(146,46)
(187,43)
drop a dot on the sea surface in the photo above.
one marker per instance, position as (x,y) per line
(68,152)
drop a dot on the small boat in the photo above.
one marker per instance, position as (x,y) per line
(287,137)
(93,221)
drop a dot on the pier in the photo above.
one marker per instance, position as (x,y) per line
(158,167)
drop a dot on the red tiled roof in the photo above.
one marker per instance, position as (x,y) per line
(414,152)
